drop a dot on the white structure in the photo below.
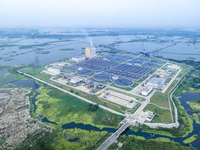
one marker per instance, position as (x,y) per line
(146,90)
(53,71)
(156,83)
(173,66)
(75,81)
(149,115)
(78,59)
(115,77)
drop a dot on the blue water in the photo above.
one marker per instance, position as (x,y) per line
(2,72)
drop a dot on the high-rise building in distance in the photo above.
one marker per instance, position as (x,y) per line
(90,52)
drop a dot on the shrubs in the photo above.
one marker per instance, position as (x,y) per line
(93,107)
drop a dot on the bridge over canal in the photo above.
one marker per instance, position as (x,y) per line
(114,136)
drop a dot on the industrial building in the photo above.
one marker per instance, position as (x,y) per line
(146,90)
(173,66)
(90,52)
(75,81)
(156,83)
(149,115)
(165,74)
(78,59)
(53,71)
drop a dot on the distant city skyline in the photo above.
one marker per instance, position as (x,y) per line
(100,13)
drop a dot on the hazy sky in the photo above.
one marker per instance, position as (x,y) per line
(100,13)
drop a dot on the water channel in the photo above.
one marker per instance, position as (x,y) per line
(183,98)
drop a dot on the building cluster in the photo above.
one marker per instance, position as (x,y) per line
(89,53)
(78,81)
(159,79)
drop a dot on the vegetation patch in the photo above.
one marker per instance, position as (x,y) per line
(8,85)
(133,142)
(67,49)
(197,118)
(8,59)
(85,139)
(195,105)
(191,139)
(42,52)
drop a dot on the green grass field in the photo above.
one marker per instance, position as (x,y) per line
(160,99)
(162,115)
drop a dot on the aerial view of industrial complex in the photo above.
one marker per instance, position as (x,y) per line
(99,98)
(99,75)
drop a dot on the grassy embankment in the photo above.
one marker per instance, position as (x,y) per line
(191,139)
(36,73)
(133,142)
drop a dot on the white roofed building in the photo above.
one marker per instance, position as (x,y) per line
(156,83)
(78,59)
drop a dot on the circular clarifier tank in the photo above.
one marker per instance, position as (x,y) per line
(84,72)
(101,77)
(123,82)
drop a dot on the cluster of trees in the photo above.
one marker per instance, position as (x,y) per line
(93,107)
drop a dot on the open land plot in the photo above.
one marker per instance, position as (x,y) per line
(130,95)
(117,100)
(160,99)
(161,115)
(122,96)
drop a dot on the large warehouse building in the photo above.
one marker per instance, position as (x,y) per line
(156,83)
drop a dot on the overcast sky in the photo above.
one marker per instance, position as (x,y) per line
(100,13)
